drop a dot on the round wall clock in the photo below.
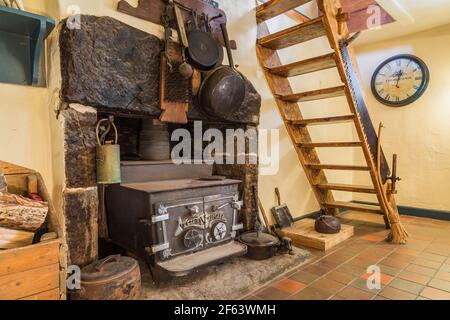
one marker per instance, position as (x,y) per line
(400,80)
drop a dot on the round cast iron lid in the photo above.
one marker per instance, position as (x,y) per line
(259,239)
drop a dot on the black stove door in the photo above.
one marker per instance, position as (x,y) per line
(221,217)
(181,228)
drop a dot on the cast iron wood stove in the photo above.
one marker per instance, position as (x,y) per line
(177,218)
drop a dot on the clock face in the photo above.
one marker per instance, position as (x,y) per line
(400,80)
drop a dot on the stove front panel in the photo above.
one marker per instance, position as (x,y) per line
(191,225)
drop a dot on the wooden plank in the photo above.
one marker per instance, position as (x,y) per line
(297,34)
(24,284)
(324,120)
(320,166)
(47,295)
(31,257)
(315,94)
(347,187)
(269,58)
(335,34)
(354,206)
(11,238)
(330,144)
(306,66)
(274,8)
(303,234)
(9,168)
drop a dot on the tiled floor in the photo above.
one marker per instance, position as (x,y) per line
(418,270)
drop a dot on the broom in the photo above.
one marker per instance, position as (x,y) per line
(398,234)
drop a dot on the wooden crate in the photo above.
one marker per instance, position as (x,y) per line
(33,272)
(304,234)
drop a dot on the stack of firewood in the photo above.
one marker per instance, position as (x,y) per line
(20,217)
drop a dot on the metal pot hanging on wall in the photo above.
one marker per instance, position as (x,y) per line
(108,154)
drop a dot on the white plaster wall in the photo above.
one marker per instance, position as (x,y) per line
(420,132)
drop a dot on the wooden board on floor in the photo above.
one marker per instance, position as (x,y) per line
(303,234)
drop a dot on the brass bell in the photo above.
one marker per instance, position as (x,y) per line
(108,155)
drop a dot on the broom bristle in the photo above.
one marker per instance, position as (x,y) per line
(398,234)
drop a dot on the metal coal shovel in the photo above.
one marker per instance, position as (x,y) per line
(281,213)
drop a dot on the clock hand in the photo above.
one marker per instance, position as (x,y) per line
(400,74)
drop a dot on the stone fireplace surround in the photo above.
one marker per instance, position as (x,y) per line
(110,68)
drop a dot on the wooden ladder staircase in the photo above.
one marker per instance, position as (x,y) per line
(328,25)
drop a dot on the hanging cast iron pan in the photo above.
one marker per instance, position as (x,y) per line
(260,245)
(223,90)
(203,51)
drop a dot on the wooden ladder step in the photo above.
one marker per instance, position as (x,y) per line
(325,120)
(353,206)
(297,34)
(329,144)
(314,95)
(306,66)
(274,8)
(347,187)
(337,167)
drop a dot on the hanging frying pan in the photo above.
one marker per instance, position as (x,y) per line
(203,51)
(223,90)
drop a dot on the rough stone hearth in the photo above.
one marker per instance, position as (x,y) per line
(221,282)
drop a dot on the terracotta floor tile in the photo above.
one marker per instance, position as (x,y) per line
(389,270)
(427,263)
(439,250)
(422,270)
(402,256)
(380,298)
(407,286)
(351,269)
(440,284)
(317,270)
(433,257)
(435,294)
(352,293)
(271,293)
(304,277)
(410,252)
(371,256)
(394,263)
(289,286)
(443,275)
(421,298)
(338,258)
(385,279)
(326,264)
(337,297)
(310,293)
(340,277)
(364,263)
(445,267)
(396,294)
(328,285)
(414,277)
(373,238)
(362,285)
